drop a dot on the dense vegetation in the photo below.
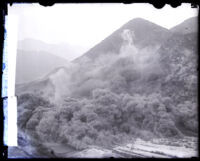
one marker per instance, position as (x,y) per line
(106,119)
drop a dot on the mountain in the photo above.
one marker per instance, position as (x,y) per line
(123,60)
(62,50)
(128,47)
(140,82)
(136,58)
(188,26)
(32,65)
(109,64)
(141,33)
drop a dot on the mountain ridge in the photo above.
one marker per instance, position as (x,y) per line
(30,65)
(113,42)
(87,68)
(59,49)
(187,26)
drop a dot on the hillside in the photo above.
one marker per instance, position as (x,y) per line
(140,32)
(130,41)
(188,26)
(140,82)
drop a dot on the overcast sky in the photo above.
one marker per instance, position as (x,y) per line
(87,24)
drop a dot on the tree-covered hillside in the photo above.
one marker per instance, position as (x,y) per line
(108,97)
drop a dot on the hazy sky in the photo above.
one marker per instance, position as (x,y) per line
(87,24)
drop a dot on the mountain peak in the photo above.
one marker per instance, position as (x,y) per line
(144,34)
(143,24)
(138,19)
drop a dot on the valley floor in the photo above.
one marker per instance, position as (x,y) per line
(156,148)
(161,148)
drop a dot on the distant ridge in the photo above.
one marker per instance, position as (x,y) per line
(63,50)
(31,65)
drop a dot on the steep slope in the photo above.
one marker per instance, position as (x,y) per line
(178,57)
(188,26)
(137,58)
(32,65)
(125,43)
(142,33)
(123,60)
